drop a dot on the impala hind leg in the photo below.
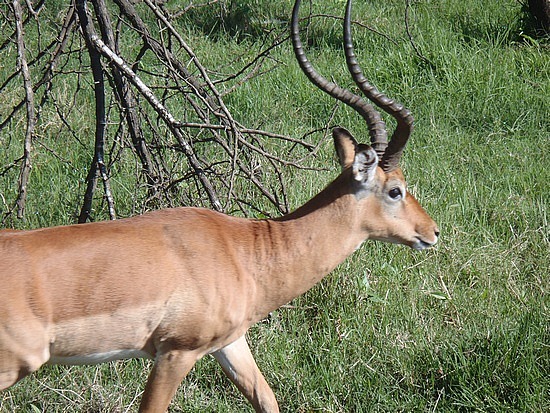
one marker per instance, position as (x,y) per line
(238,364)
(168,371)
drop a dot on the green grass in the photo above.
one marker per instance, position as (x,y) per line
(460,328)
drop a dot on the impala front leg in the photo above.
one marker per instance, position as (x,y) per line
(169,370)
(238,364)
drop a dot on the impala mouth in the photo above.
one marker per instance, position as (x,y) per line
(420,244)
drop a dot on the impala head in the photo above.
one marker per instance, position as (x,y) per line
(390,212)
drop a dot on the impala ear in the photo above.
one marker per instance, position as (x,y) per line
(364,164)
(345,145)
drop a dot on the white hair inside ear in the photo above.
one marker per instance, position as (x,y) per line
(364,165)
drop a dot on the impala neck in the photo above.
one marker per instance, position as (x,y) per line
(299,249)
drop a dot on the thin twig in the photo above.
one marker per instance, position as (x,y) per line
(192,6)
(411,39)
(243,130)
(363,25)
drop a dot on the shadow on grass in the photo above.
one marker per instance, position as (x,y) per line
(496,32)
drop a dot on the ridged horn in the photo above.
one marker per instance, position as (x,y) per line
(376,126)
(392,154)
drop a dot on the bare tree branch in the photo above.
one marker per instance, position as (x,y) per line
(98,163)
(31,115)
(173,135)
(171,122)
(127,99)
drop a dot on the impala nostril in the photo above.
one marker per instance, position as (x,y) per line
(436,233)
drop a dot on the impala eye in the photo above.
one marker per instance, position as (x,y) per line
(395,193)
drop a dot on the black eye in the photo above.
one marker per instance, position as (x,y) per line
(395,193)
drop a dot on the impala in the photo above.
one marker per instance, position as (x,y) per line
(177,284)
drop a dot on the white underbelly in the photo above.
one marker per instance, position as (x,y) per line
(99,357)
(100,338)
